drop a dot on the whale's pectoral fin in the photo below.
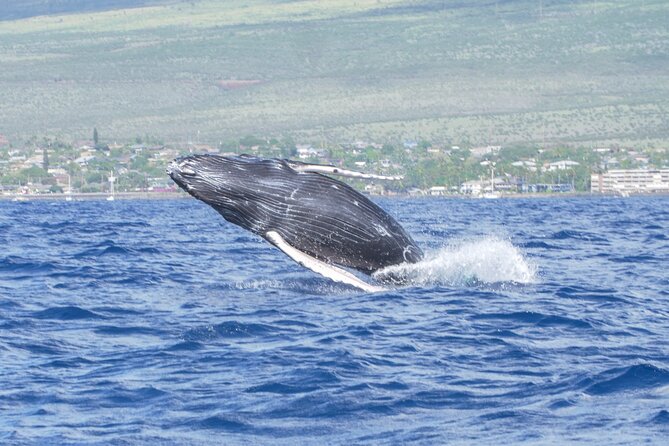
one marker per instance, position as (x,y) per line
(332,170)
(318,266)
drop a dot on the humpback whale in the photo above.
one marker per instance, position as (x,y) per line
(319,222)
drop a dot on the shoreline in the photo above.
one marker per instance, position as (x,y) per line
(102,196)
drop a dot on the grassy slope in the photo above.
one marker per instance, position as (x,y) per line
(584,72)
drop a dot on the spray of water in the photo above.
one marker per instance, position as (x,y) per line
(490,260)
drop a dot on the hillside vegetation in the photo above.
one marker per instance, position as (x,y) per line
(452,72)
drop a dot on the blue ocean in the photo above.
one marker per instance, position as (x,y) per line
(531,321)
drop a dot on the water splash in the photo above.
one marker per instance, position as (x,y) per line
(490,260)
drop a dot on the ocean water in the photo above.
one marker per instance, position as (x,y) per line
(531,321)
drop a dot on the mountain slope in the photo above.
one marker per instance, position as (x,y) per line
(476,72)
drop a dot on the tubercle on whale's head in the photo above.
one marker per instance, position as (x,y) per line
(228,184)
(179,171)
(222,174)
(199,175)
(216,180)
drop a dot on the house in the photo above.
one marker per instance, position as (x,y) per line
(36,160)
(610,163)
(438,191)
(195,148)
(62,179)
(60,175)
(16,161)
(473,187)
(84,146)
(546,187)
(529,164)
(415,192)
(84,159)
(375,189)
(502,185)
(305,151)
(480,152)
(562,165)
(167,154)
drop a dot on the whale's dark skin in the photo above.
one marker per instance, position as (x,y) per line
(315,214)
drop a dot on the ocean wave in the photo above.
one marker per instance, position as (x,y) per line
(533,318)
(186,346)
(114,330)
(629,379)
(568,234)
(662,418)
(122,396)
(66,313)
(604,295)
(109,247)
(224,422)
(15,264)
(538,244)
(68,363)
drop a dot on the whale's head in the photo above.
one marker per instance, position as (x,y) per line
(208,178)
(234,186)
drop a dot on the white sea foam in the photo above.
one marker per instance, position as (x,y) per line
(489,260)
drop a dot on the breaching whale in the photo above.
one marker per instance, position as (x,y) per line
(321,223)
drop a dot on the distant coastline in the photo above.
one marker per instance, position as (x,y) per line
(91,196)
(95,196)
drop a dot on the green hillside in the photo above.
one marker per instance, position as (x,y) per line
(479,72)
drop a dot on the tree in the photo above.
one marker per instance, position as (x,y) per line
(32,174)
(251,141)
(45,159)
(288,149)
(388,149)
(95,136)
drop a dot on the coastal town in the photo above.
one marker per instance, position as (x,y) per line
(48,167)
